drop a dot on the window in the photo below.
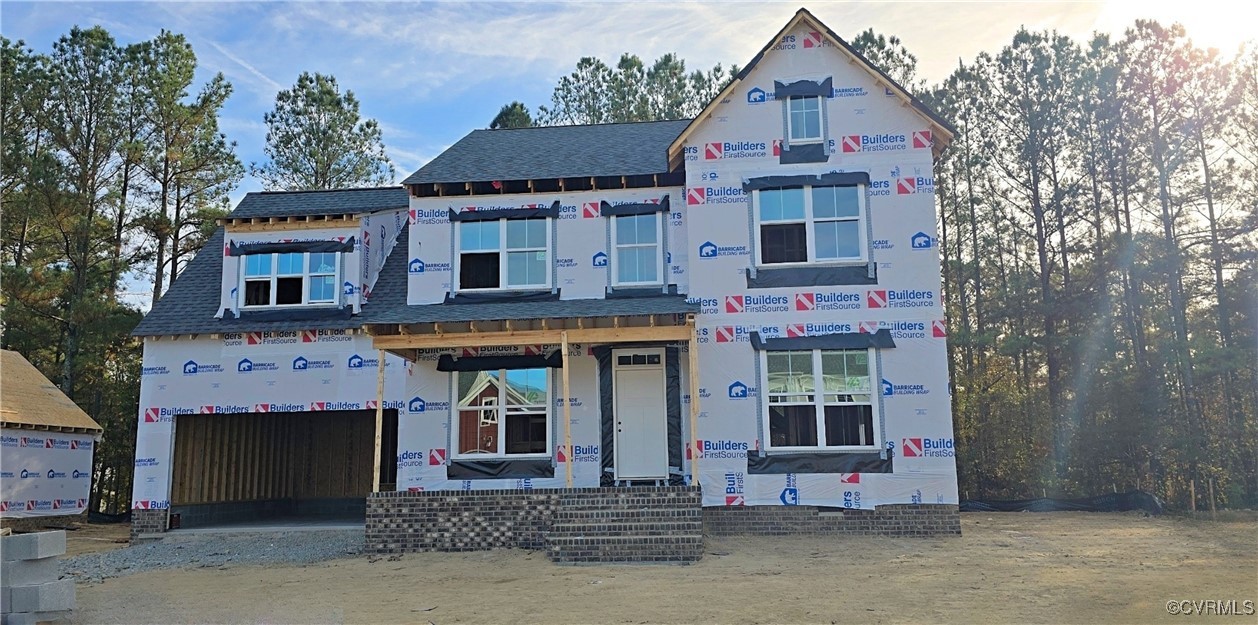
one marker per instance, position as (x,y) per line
(290,279)
(503,412)
(802,224)
(484,260)
(638,256)
(819,399)
(803,119)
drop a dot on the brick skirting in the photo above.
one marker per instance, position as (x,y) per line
(147,522)
(887,520)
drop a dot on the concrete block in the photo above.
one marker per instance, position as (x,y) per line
(53,596)
(20,618)
(28,572)
(32,546)
(5,599)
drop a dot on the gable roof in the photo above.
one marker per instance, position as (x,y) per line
(29,400)
(942,128)
(545,152)
(336,201)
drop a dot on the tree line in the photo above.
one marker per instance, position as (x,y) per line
(114,172)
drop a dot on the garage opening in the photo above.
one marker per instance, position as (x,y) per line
(278,467)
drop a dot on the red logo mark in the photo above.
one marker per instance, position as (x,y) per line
(712,151)
(414,216)
(318,405)
(589,210)
(82,503)
(4,506)
(922,139)
(735,500)
(560,454)
(74,444)
(725,334)
(47,443)
(470,351)
(372,404)
(436,457)
(366,238)
(227,249)
(254,338)
(696,195)
(415,489)
(876,299)
(849,478)
(694,450)
(733,303)
(905,186)
(851,143)
(30,504)
(938,329)
(912,447)
(140,505)
(207,409)
(777,147)
(795,330)
(262,407)
(309,336)
(812,39)
(152,415)
(532,350)
(56,504)
(867,327)
(805,301)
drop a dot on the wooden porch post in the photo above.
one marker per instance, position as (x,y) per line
(375,473)
(567,412)
(694,403)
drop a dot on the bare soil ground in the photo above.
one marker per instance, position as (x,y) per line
(1006,568)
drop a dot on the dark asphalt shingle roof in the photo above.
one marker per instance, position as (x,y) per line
(554,152)
(388,302)
(298,203)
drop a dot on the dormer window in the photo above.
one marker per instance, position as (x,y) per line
(504,254)
(289,279)
(803,119)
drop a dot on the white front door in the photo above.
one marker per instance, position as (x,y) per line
(641,421)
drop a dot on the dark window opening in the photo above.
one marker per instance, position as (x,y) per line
(785,243)
(793,426)
(526,433)
(257,293)
(288,290)
(479,271)
(849,425)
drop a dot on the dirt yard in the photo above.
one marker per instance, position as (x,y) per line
(1007,568)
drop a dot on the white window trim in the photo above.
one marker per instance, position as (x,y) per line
(809,235)
(305,282)
(502,259)
(500,407)
(614,261)
(820,129)
(818,403)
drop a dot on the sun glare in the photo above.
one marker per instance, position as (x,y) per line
(1209,23)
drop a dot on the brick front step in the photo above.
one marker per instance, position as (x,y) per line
(594,516)
(643,524)
(570,530)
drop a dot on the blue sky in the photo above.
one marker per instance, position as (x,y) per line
(432,72)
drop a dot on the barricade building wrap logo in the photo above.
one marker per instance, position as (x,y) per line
(192,367)
(790,494)
(599,259)
(922,241)
(927,448)
(708,249)
(738,390)
(756,303)
(357,362)
(734,149)
(715,195)
(301,363)
(904,298)
(154,371)
(418,404)
(827,300)
(893,390)
(247,365)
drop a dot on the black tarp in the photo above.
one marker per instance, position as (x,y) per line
(497,469)
(632,292)
(507,297)
(849,178)
(446,362)
(780,277)
(640,208)
(822,89)
(842,340)
(313,313)
(607,420)
(817,462)
(244,249)
(804,153)
(506,213)
(1113,502)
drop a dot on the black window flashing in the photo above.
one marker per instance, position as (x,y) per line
(506,213)
(848,178)
(502,297)
(773,463)
(843,340)
(778,277)
(804,153)
(499,469)
(639,291)
(640,208)
(304,313)
(447,362)
(245,249)
(803,88)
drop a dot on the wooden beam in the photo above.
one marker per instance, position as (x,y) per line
(567,411)
(533,337)
(694,403)
(296,225)
(375,472)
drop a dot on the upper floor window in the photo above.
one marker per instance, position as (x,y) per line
(290,279)
(504,254)
(810,224)
(638,259)
(820,399)
(803,119)
(502,412)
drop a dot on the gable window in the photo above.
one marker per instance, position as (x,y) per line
(638,258)
(503,412)
(504,254)
(810,224)
(820,399)
(803,119)
(290,279)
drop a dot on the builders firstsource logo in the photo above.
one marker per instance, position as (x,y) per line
(756,303)
(164,415)
(580,453)
(927,448)
(720,448)
(715,195)
(850,144)
(827,300)
(429,216)
(325,336)
(904,298)
(734,149)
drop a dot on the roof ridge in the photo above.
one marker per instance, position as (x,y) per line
(646,121)
(387,188)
